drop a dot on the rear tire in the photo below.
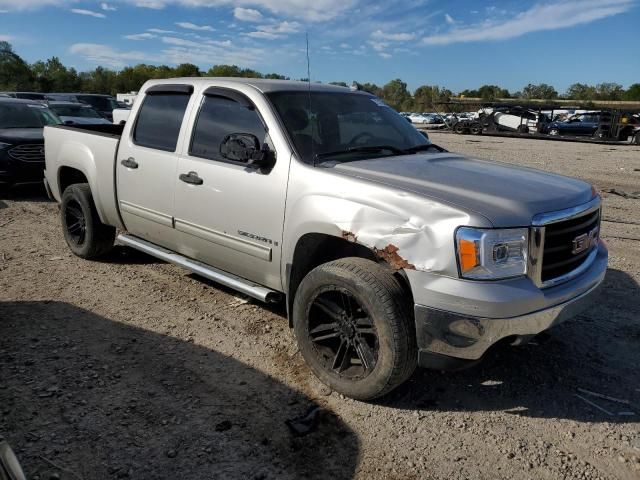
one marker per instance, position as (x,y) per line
(86,236)
(636,139)
(354,328)
(522,129)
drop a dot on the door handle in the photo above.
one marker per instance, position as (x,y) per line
(191,178)
(130,163)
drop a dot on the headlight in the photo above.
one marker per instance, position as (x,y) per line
(4,146)
(485,254)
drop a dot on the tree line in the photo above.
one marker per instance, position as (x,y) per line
(53,76)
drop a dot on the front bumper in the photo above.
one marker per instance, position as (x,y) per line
(472,322)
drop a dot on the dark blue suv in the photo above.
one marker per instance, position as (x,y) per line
(580,124)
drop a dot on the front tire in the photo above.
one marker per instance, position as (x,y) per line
(354,328)
(86,236)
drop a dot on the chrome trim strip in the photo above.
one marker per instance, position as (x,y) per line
(224,278)
(543,219)
(249,248)
(147,213)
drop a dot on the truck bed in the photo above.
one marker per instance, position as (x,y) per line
(104,129)
(92,150)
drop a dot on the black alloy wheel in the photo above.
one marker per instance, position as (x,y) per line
(343,334)
(75,222)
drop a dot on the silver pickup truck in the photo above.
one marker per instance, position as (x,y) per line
(388,250)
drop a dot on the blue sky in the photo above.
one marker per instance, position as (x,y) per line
(457,43)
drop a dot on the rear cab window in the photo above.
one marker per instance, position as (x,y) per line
(160,117)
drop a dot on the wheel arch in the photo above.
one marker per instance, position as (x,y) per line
(314,249)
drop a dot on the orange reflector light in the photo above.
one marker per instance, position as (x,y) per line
(468,255)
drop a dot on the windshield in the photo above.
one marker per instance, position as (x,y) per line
(13,115)
(75,111)
(323,123)
(102,104)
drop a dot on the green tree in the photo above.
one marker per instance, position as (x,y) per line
(395,94)
(632,93)
(53,76)
(15,74)
(371,88)
(609,91)
(581,91)
(187,70)
(543,91)
(339,84)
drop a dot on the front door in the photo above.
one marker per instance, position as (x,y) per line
(229,213)
(146,166)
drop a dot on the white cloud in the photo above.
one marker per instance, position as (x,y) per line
(140,36)
(19,5)
(276,30)
(394,37)
(449,19)
(247,14)
(557,15)
(385,55)
(159,30)
(106,55)
(89,13)
(107,8)
(5,38)
(318,10)
(193,26)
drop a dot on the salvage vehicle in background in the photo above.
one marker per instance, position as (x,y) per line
(21,140)
(580,124)
(77,113)
(26,95)
(388,251)
(103,104)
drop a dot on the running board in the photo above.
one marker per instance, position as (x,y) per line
(219,276)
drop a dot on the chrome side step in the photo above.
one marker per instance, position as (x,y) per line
(224,278)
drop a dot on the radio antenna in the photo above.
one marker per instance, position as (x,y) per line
(313,156)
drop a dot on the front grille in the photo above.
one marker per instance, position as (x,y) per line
(29,152)
(565,245)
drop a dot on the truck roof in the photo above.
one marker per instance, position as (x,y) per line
(261,84)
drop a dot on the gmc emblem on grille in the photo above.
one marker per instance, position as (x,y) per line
(585,241)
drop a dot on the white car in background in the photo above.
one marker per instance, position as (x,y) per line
(120,116)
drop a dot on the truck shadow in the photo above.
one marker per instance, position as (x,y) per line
(105,400)
(28,192)
(596,351)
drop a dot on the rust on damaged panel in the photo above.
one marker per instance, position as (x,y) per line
(390,255)
(349,236)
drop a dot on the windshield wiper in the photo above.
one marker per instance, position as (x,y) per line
(362,149)
(423,148)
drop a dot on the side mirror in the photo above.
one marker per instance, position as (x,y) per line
(246,148)
(424,134)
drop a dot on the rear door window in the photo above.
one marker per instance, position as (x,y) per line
(159,121)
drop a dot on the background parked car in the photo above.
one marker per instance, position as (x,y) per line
(580,124)
(77,113)
(21,140)
(26,95)
(103,104)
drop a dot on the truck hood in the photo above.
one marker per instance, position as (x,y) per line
(21,135)
(508,196)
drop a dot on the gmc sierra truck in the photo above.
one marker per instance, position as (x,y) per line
(388,251)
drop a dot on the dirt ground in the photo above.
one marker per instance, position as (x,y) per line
(132,368)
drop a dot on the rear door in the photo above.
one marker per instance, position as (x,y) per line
(232,217)
(147,161)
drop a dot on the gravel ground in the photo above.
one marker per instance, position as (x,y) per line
(132,368)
